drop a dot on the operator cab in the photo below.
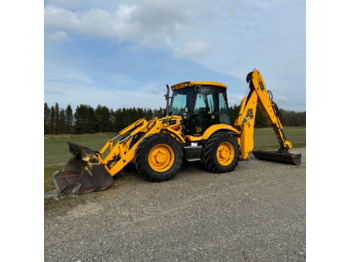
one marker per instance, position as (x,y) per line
(201,105)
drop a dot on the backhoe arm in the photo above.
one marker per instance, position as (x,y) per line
(268,108)
(258,95)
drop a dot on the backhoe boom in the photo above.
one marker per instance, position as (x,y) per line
(258,96)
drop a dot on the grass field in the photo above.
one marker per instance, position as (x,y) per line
(56,152)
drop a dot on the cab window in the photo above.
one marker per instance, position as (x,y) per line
(204,102)
(223,110)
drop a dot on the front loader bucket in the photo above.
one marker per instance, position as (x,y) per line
(278,156)
(82,174)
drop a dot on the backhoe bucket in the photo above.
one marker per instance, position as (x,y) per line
(278,156)
(82,174)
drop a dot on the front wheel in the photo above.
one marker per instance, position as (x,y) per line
(158,157)
(221,153)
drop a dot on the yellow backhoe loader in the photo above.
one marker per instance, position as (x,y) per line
(196,127)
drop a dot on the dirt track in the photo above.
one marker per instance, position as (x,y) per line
(256,213)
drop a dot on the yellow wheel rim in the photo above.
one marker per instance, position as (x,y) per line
(225,153)
(161,158)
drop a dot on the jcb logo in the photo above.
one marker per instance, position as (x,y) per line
(261,86)
(250,113)
(198,129)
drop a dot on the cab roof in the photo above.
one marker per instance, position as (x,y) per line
(192,83)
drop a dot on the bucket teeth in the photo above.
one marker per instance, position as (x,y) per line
(278,156)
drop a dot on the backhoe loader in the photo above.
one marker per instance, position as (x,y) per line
(196,127)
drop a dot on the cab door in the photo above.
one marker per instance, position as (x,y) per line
(223,109)
(204,110)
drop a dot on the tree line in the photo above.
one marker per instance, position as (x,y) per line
(287,117)
(86,119)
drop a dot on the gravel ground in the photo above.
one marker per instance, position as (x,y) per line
(256,213)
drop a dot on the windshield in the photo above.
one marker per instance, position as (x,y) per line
(181,99)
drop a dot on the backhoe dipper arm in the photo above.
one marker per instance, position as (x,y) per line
(258,95)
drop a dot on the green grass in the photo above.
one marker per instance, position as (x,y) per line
(56,147)
(48,171)
(56,153)
(265,138)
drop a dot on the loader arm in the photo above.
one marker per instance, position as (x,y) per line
(258,95)
(90,170)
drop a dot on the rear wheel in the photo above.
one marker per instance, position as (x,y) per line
(221,153)
(158,157)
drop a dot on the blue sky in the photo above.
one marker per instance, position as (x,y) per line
(123,53)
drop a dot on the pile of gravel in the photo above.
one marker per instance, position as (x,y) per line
(52,195)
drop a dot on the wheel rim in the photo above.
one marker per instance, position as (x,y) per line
(161,158)
(225,153)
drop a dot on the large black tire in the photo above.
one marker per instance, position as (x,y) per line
(223,159)
(147,157)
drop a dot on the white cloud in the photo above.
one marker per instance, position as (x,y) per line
(149,23)
(162,15)
(124,12)
(59,36)
(68,4)
(58,17)
(92,23)
(193,49)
